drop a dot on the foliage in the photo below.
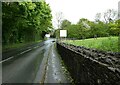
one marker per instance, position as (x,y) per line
(65,23)
(25,21)
(90,29)
(18,45)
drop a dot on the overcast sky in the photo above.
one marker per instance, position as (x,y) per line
(73,10)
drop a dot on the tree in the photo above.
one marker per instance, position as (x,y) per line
(59,19)
(97,17)
(25,21)
(110,15)
(65,23)
(114,28)
(90,29)
(98,29)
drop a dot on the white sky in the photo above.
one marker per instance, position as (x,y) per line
(73,10)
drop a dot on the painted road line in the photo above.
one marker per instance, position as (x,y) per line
(25,51)
(17,54)
(13,56)
(6,59)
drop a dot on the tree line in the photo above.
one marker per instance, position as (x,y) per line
(25,21)
(89,29)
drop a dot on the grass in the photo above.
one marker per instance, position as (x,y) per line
(17,45)
(102,43)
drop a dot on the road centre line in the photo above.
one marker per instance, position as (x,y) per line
(25,51)
(17,55)
(6,59)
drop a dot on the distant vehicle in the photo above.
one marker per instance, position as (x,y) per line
(53,41)
(47,35)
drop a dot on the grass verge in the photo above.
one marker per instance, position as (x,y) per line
(102,43)
(17,45)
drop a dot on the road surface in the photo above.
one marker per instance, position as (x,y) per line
(39,64)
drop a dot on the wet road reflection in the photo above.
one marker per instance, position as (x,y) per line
(40,65)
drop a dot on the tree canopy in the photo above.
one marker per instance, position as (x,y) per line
(90,29)
(25,21)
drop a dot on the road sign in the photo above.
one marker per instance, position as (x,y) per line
(63,33)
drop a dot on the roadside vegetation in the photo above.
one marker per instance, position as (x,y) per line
(102,43)
(18,45)
(89,29)
(24,22)
(94,34)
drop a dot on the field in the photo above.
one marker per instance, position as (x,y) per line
(102,43)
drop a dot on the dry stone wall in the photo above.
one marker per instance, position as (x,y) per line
(91,66)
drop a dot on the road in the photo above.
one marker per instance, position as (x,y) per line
(41,64)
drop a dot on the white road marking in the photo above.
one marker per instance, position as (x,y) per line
(25,51)
(13,56)
(18,54)
(6,59)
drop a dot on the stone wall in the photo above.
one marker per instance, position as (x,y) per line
(90,66)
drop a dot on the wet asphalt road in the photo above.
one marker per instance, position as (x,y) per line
(39,65)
